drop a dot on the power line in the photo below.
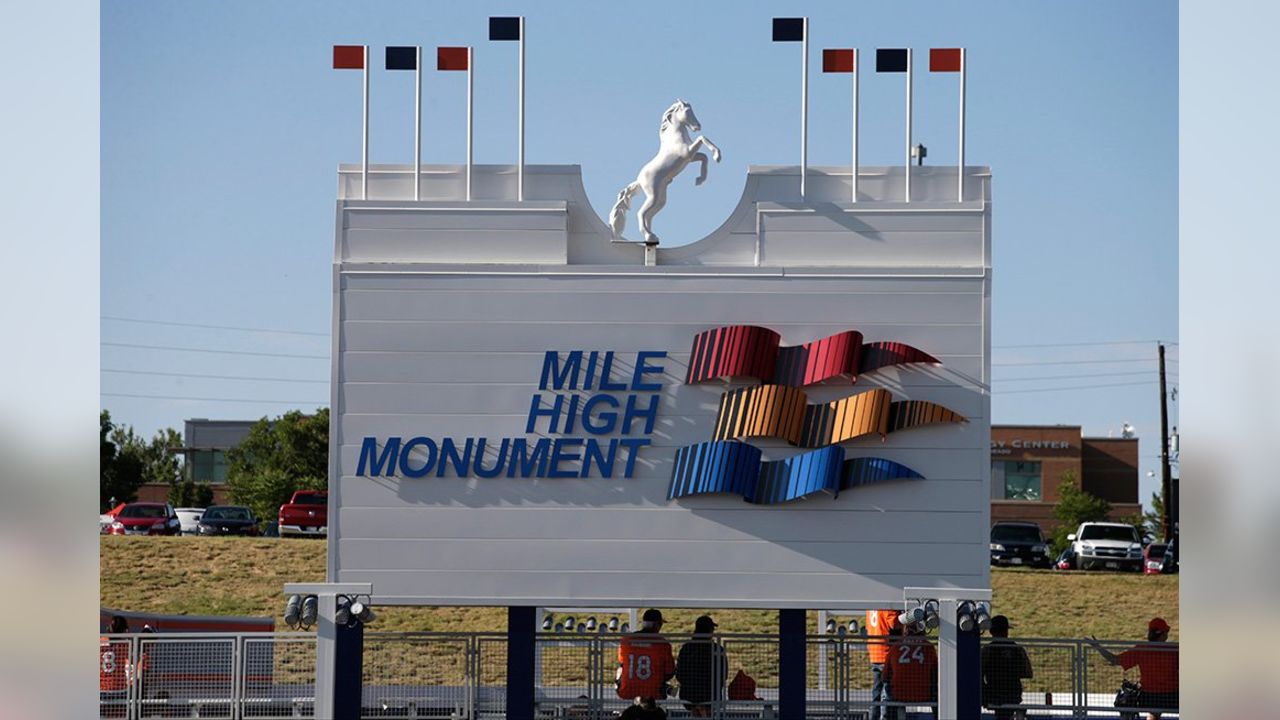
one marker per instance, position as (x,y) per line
(1069,362)
(212,327)
(1074,387)
(211,377)
(1071,377)
(219,352)
(1078,344)
(214,399)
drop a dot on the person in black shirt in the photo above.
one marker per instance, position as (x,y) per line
(1004,665)
(644,709)
(702,669)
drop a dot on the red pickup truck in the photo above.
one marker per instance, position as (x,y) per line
(306,514)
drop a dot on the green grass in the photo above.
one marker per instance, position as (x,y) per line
(246,576)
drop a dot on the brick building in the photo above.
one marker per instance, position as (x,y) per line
(1028,462)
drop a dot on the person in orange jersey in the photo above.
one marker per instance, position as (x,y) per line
(911,670)
(878,625)
(1157,662)
(645,661)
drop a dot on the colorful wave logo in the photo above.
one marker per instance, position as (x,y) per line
(779,409)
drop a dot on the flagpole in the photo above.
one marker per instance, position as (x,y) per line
(853,165)
(804,107)
(364,133)
(470,86)
(417,125)
(960,168)
(520,148)
(907,191)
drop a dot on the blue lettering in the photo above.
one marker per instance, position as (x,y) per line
(591,370)
(449,453)
(631,412)
(559,377)
(633,445)
(557,457)
(573,412)
(637,379)
(502,459)
(370,458)
(603,462)
(406,469)
(605,371)
(527,465)
(609,418)
(535,412)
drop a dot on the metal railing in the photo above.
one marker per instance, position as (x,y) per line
(462,676)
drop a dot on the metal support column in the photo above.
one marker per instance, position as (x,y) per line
(968,674)
(792,671)
(348,680)
(522,628)
(331,653)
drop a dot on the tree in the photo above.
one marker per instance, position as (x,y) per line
(120,469)
(1074,506)
(126,461)
(278,457)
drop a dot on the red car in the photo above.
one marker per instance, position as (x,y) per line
(146,518)
(1153,558)
(306,514)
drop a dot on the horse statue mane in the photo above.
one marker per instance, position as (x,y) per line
(676,149)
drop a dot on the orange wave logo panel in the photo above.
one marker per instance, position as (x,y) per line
(763,411)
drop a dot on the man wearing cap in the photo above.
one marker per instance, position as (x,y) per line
(645,662)
(702,669)
(910,670)
(1157,661)
(1004,666)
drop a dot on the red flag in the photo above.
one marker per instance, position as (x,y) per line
(837,61)
(348,57)
(944,60)
(451,58)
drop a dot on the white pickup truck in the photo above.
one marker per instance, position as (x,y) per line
(1107,546)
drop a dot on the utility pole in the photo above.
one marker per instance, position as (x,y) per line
(1165,474)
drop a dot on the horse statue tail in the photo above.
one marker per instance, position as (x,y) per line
(618,215)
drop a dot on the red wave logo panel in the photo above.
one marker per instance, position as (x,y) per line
(742,351)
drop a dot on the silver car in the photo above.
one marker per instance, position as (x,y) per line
(189,519)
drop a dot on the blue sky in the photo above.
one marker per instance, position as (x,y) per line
(222,126)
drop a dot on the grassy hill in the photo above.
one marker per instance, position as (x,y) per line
(243,576)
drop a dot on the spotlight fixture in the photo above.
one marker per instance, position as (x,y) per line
(982,616)
(591,624)
(546,623)
(831,626)
(964,617)
(582,627)
(571,622)
(310,608)
(853,626)
(292,611)
(911,617)
(559,627)
(841,630)
(361,611)
(343,614)
(613,624)
(626,628)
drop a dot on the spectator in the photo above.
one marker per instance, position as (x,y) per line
(702,669)
(1004,665)
(910,670)
(114,671)
(878,625)
(644,709)
(1157,662)
(645,662)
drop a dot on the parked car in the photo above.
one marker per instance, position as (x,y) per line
(227,520)
(306,513)
(1066,560)
(1019,543)
(189,519)
(1153,558)
(145,518)
(108,517)
(1104,545)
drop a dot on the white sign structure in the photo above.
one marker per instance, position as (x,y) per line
(516,422)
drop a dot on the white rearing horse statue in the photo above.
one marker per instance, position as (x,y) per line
(675,151)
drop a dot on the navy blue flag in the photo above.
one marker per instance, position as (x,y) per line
(504,28)
(402,58)
(788,29)
(892,60)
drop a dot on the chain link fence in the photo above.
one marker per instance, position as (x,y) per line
(579,676)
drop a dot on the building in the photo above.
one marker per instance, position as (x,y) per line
(204,451)
(1029,462)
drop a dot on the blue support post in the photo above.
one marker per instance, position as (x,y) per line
(968,675)
(348,664)
(792,677)
(522,628)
